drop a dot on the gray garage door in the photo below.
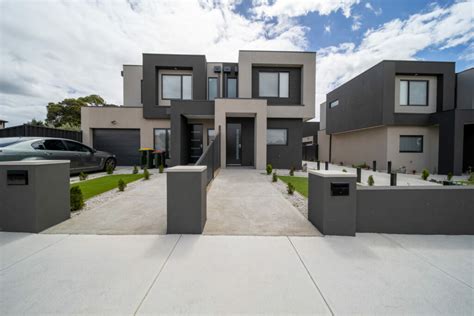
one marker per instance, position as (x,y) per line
(124,143)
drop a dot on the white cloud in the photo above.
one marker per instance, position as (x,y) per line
(51,50)
(293,8)
(371,8)
(438,28)
(356,24)
(327,28)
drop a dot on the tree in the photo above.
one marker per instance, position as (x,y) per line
(68,111)
(36,122)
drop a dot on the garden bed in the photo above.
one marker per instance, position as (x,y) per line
(93,187)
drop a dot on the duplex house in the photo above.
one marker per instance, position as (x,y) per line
(178,103)
(415,114)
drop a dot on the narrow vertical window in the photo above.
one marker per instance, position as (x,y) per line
(232,87)
(403,92)
(212,88)
(187,87)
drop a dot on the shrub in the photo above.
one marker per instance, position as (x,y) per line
(274,177)
(121,185)
(161,168)
(413,171)
(290,188)
(146,174)
(82,176)
(292,171)
(425,174)
(269,169)
(135,170)
(471,177)
(450,176)
(109,169)
(76,198)
(344,170)
(370,181)
(341,163)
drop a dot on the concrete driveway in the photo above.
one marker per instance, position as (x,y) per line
(371,274)
(244,202)
(140,209)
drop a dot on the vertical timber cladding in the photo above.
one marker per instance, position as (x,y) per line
(289,155)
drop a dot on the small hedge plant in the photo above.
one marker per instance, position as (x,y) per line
(450,176)
(269,169)
(370,181)
(146,174)
(274,177)
(292,171)
(135,170)
(425,174)
(471,177)
(82,176)
(161,168)
(344,170)
(121,185)
(290,188)
(76,198)
(109,169)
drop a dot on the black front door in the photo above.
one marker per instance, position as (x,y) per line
(234,144)
(195,142)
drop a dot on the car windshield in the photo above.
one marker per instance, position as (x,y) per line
(4,142)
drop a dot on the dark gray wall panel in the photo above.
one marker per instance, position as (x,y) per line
(153,62)
(465,89)
(124,143)
(294,88)
(415,210)
(468,153)
(286,157)
(311,129)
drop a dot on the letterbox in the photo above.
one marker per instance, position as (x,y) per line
(17,177)
(339,188)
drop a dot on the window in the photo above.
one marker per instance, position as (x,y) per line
(277,136)
(333,103)
(274,84)
(73,146)
(211,135)
(411,144)
(38,145)
(211,88)
(414,92)
(177,87)
(54,144)
(162,140)
(232,87)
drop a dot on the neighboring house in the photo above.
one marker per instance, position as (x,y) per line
(178,103)
(415,114)
(2,123)
(310,141)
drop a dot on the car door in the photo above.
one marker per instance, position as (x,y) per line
(56,149)
(86,154)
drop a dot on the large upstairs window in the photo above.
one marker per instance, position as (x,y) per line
(176,87)
(414,92)
(273,84)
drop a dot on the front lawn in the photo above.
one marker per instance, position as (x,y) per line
(300,183)
(93,187)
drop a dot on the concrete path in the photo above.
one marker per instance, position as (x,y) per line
(140,209)
(244,202)
(125,275)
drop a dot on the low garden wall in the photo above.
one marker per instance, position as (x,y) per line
(415,210)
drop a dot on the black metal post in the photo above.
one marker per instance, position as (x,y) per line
(359,174)
(326,165)
(389,167)
(319,167)
(374,165)
(393,179)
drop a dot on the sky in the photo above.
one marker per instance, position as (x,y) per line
(56,49)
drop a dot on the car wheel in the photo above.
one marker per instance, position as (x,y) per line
(110,162)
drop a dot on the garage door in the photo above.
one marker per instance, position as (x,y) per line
(124,143)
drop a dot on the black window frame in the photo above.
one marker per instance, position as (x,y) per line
(209,129)
(59,140)
(227,87)
(217,87)
(411,151)
(181,83)
(408,92)
(167,140)
(278,83)
(331,106)
(278,128)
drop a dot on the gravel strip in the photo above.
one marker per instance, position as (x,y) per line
(298,201)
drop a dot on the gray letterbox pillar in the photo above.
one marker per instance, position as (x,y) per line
(332,202)
(186,199)
(34,195)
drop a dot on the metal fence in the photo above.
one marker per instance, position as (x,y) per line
(39,131)
(211,158)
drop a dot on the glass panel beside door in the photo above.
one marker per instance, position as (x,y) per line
(234,144)
(195,142)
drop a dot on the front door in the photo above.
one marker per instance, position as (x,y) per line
(234,144)
(195,142)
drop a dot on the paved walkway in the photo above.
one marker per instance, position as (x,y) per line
(125,275)
(140,209)
(244,202)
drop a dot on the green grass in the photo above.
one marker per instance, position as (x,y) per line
(300,183)
(93,187)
